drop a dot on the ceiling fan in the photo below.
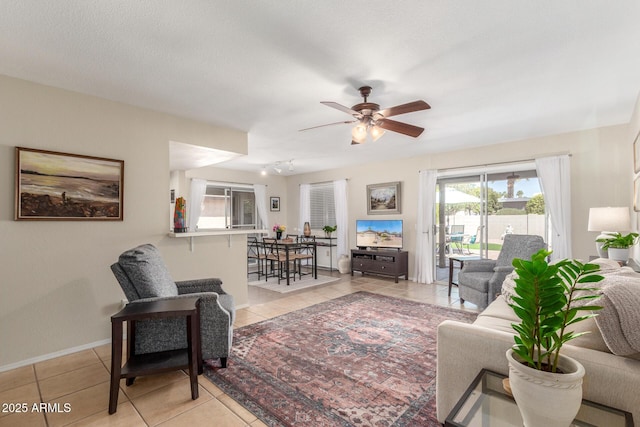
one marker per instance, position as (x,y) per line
(371,118)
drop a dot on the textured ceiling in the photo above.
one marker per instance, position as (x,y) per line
(493,71)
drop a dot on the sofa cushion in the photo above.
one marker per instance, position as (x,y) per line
(499,316)
(147,272)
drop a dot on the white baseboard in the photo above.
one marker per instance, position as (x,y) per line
(44,357)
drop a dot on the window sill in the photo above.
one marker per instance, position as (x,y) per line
(222,232)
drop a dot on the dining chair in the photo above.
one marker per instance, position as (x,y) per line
(254,255)
(276,255)
(305,253)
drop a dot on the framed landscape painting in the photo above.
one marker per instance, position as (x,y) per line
(62,186)
(383,198)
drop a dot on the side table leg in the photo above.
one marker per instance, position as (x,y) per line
(116,364)
(450,274)
(131,346)
(192,326)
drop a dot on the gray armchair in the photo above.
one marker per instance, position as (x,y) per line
(480,281)
(143,276)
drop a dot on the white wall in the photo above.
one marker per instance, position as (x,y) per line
(57,291)
(600,165)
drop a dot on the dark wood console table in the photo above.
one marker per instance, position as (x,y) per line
(384,262)
(154,363)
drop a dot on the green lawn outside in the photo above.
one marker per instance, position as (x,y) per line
(492,246)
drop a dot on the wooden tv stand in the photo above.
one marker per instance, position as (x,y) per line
(382,261)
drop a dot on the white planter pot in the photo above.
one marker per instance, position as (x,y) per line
(619,254)
(544,398)
(344,264)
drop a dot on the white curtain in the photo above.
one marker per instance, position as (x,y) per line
(198,189)
(260,193)
(424,234)
(342,217)
(554,174)
(305,204)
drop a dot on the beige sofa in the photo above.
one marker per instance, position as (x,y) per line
(612,380)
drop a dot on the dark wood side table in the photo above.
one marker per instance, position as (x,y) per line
(154,363)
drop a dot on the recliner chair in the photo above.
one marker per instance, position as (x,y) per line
(479,281)
(143,276)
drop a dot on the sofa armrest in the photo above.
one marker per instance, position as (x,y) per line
(200,285)
(483,348)
(479,265)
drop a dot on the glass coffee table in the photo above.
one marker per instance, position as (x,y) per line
(485,403)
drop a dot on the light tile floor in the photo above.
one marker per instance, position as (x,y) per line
(79,383)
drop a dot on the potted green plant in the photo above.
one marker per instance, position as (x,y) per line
(329,229)
(547,385)
(618,245)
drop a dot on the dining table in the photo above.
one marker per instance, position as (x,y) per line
(290,246)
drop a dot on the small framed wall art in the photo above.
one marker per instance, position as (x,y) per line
(60,186)
(383,198)
(274,204)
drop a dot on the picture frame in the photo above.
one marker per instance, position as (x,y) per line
(274,204)
(384,199)
(636,153)
(51,185)
(636,194)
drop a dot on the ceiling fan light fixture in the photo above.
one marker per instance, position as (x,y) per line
(359,132)
(376,132)
(359,135)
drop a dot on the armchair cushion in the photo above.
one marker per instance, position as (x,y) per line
(145,269)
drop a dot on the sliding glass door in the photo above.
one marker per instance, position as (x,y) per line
(476,210)
(460,217)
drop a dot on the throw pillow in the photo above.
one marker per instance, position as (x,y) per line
(508,287)
(147,272)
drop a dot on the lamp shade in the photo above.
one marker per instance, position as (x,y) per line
(609,219)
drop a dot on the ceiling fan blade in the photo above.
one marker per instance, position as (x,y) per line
(399,127)
(329,124)
(341,108)
(405,108)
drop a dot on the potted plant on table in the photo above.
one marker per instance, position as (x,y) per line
(546,385)
(329,229)
(618,245)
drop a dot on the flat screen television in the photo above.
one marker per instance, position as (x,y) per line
(379,233)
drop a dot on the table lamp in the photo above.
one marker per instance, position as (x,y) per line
(608,221)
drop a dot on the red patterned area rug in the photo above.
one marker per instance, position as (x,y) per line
(359,360)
